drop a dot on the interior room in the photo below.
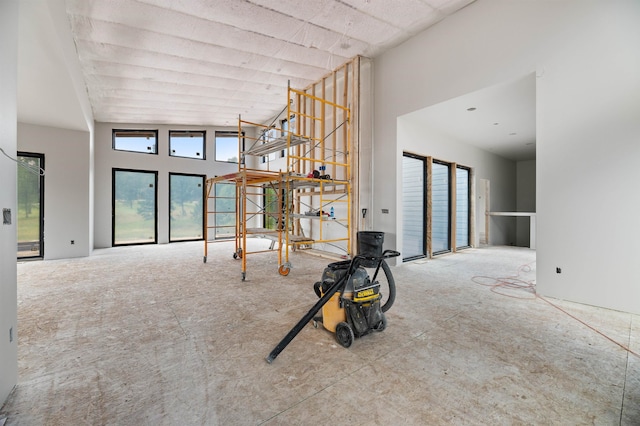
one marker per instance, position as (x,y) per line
(178,177)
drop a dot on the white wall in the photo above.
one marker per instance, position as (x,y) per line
(67,204)
(8,197)
(525,199)
(106,159)
(415,138)
(585,55)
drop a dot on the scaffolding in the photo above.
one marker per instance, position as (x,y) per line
(298,193)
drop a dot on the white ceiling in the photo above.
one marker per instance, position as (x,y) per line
(204,62)
(499,119)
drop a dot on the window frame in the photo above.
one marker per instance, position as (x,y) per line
(41,165)
(469,204)
(192,133)
(228,133)
(140,133)
(203,186)
(114,170)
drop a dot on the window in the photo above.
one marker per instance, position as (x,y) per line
(413,207)
(188,144)
(273,208)
(440,210)
(30,216)
(225,210)
(462,207)
(227,146)
(134,207)
(288,126)
(145,141)
(186,208)
(443,224)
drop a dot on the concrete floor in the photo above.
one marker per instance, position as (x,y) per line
(151,335)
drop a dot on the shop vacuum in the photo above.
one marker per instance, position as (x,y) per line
(349,299)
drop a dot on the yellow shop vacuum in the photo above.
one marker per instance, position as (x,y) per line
(349,299)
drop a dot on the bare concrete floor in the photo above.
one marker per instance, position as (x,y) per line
(151,335)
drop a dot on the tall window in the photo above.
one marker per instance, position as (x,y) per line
(273,208)
(462,207)
(30,214)
(145,141)
(225,210)
(413,207)
(135,210)
(187,143)
(186,207)
(227,146)
(440,202)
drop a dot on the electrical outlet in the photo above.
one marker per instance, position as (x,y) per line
(558,270)
(6,216)
(10,334)
(73,242)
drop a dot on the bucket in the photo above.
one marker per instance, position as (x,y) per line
(370,244)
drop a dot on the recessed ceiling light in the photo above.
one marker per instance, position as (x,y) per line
(512,134)
(471,109)
(495,124)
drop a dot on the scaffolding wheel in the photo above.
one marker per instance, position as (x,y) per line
(284,269)
(244,276)
(238,254)
(204,259)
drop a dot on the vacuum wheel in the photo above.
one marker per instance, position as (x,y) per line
(380,326)
(344,334)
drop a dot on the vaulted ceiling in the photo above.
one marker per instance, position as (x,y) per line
(206,61)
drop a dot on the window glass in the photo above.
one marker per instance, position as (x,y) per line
(440,205)
(134,207)
(189,144)
(225,210)
(462,207)
(186,194)
(413,207)
(227,146)
(145,141)
(30,215)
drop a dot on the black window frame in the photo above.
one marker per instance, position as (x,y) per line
(204,201)
(134,132)
(450,215)
(222,133)
(470,204)
(113,207)
(39,156)
(183,133)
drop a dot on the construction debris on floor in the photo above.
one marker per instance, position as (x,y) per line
(151,335)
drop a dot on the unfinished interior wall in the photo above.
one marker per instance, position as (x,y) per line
(66,188)
(349,86)
(8,197)
(586,63)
